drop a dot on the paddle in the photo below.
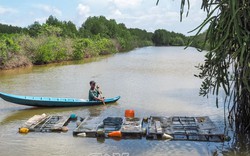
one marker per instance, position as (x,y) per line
(100,93)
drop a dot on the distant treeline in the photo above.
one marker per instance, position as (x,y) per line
(199,41)
(163,37)
(56,41)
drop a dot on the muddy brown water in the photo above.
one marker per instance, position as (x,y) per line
(151,80)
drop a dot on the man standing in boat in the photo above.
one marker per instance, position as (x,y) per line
(94,92)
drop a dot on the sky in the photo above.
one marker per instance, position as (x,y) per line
(143,14)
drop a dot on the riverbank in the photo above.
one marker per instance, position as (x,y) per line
(57,41)
(21,50)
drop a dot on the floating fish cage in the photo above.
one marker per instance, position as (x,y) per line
(152,128)
(45,123)
(184,128)
(89,126)
(132,128)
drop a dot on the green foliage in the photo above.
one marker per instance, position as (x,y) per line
(226,65)
(53,21)
(10,53)
(88,47)
(57,40)
(178,41)
(3,52)
(198,41)
(44,53)
(140,37)
(105,46)
(67,29)
(8,47)
(49,51)
(163,37)
(141,34)
(53,27)
(29,45)
(99,25)
(127,38)
(49,30)
(9,29)
(81,47)
(35,29)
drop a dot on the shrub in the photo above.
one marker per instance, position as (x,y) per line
(8,48)
(68,44)
(29,45)
(105,46)
(84,48)
(50,51)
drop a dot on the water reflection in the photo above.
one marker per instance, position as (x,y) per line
(152,81)
(26,113)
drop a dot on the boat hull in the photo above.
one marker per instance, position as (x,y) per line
(52,102)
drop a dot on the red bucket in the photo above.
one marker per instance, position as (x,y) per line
(129,113)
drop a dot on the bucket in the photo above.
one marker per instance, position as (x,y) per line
(129,113)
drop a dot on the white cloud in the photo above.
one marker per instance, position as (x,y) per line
(153,15)
(116,12)
(164,16)
(41,19)
(142,14)
(126,3)
(49,9)
(195,4)
(4,22)
(4,10)
(83,10)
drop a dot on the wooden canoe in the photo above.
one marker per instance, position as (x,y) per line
(52,102)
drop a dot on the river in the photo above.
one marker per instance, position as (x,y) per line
(151,80)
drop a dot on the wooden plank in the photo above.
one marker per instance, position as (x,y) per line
(50,123)
(36,119)
(60,123)
(32,128)
(45,122)
(158,127)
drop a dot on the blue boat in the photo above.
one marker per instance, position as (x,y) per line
(52,102)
